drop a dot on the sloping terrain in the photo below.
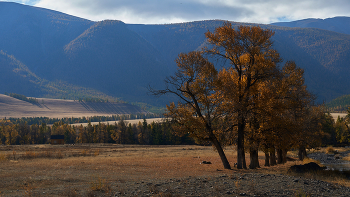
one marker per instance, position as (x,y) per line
(121,60)
(337,24)
(58,108)
(31,34)
(322,54)
(110,58)
(15,76)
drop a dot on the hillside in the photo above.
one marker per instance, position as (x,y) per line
(322,54)
(31,34)
(340,104)
(70,57)
(336,24)
(110,58)
(15,76)
(58,108)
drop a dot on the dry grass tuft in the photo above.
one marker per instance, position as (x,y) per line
(97,152)
(100,185)
(3,157)
(29,155)
(84,152)
(59,155)
(301,193)
(14,155)
(330,150)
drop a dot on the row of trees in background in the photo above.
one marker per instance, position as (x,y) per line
(121,132)
(338,131)
(72,120)
(339,105)
(250,102)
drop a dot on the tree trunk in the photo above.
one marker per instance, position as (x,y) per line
(272,157)
(302,153)
(240,146)
(267,159)
(279,156)
(221,152)
(244,162)
(254,158)
(284,156)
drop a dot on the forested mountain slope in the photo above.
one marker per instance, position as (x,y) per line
(120,60)
(322,54)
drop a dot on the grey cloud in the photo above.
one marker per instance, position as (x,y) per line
(151,11)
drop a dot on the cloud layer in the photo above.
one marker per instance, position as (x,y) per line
(173,11)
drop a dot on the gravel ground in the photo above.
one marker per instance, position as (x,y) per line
(239,184)
(328,159)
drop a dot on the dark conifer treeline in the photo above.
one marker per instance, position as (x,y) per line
(72,120)
(121,133)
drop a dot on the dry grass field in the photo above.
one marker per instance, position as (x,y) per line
(48,170)
(99,169)
(64,170)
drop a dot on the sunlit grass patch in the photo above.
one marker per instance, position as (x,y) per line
(330,150)
(347,158)
(309,160)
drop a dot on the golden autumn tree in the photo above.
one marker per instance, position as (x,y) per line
(299,110)
(287,115)
(252,61)
(251,102)
(196,112)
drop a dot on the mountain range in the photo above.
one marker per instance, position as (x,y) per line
(45,53)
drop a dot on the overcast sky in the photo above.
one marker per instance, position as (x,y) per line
(174,11)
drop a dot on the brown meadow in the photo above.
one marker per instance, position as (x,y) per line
(69,170)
